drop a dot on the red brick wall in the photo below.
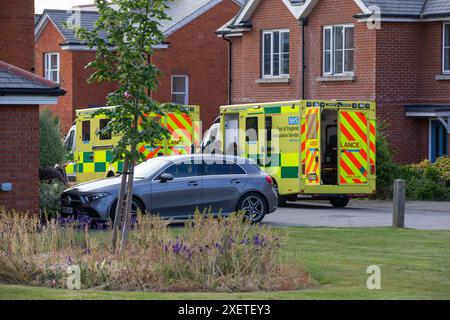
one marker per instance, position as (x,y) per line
(73,77)
(19,125)
(329,12)
(17,32)
(196,51)
(270,14)
(50,41)
(394,66)
(19,160)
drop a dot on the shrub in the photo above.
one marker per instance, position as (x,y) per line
(51,145)
(49,197)
(387,170)
(207,255)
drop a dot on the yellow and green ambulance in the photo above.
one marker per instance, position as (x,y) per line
(314,149)
(92,152)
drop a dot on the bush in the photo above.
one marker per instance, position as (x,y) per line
(387,169)
(49,198)
(209,254)
(52,149)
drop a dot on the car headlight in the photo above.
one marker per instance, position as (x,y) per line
(95,196)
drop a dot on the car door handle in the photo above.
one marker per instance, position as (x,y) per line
(235,181)
(193,184)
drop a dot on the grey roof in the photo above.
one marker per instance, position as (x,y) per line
(412,8)
(61,17)
(36,18)
(14,80)
(179,11)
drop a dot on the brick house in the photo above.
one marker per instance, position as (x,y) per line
(21,92)
(392,51)
(194,62)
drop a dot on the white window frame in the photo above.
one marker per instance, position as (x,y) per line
(332,65)
(444,47)
(47,66)
(281,75)
(186,93)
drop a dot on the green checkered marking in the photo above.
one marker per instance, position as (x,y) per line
(80,168)
(274,160)
(100,167)
(289,172)
(108,156)
(272,110)
(120,167)
(88,157)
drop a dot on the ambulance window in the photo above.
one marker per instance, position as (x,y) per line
(269,128)
(103,124)
(86,131)
(311,126)
(251,129)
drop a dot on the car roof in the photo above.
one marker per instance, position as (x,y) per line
(219,157)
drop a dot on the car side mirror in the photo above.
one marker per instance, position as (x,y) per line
(165,177)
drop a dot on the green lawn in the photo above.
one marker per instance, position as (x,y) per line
(414,265)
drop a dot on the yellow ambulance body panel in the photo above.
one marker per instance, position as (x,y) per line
(93,152)
(310,147)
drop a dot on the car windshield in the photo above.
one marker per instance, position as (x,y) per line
(147,168)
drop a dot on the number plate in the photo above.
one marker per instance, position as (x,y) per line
(67,210)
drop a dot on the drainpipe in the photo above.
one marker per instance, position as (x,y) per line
(230,66)
(303,24)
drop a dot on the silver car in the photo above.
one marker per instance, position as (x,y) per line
(174,187)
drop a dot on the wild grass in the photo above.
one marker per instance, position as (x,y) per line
(208,254)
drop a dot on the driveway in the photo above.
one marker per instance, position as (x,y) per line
(362,213)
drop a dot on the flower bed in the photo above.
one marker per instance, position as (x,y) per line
(208,254)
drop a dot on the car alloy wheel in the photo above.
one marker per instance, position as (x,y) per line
(253,207)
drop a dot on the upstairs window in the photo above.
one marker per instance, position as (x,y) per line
(338,50)
(180,90)
(275,61)
(51,62)
(446,66)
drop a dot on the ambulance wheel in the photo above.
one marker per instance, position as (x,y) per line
(339,202)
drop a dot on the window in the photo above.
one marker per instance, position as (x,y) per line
(180,89)
(216,169)
(52,66)
(275,61)
(446,48)
(183,170)
(103,124)
(338,50)
(86,131)
(251,129)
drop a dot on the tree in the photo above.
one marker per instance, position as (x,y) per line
(124,37)
(51,146)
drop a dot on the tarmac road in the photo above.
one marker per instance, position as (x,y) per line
(422,215)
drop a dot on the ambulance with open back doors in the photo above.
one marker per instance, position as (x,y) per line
(92,152)
(312,149)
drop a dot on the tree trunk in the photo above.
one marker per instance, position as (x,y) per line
(119,208)
(127,218)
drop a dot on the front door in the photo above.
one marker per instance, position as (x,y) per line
(312,146)
(180,197)
(438,140)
